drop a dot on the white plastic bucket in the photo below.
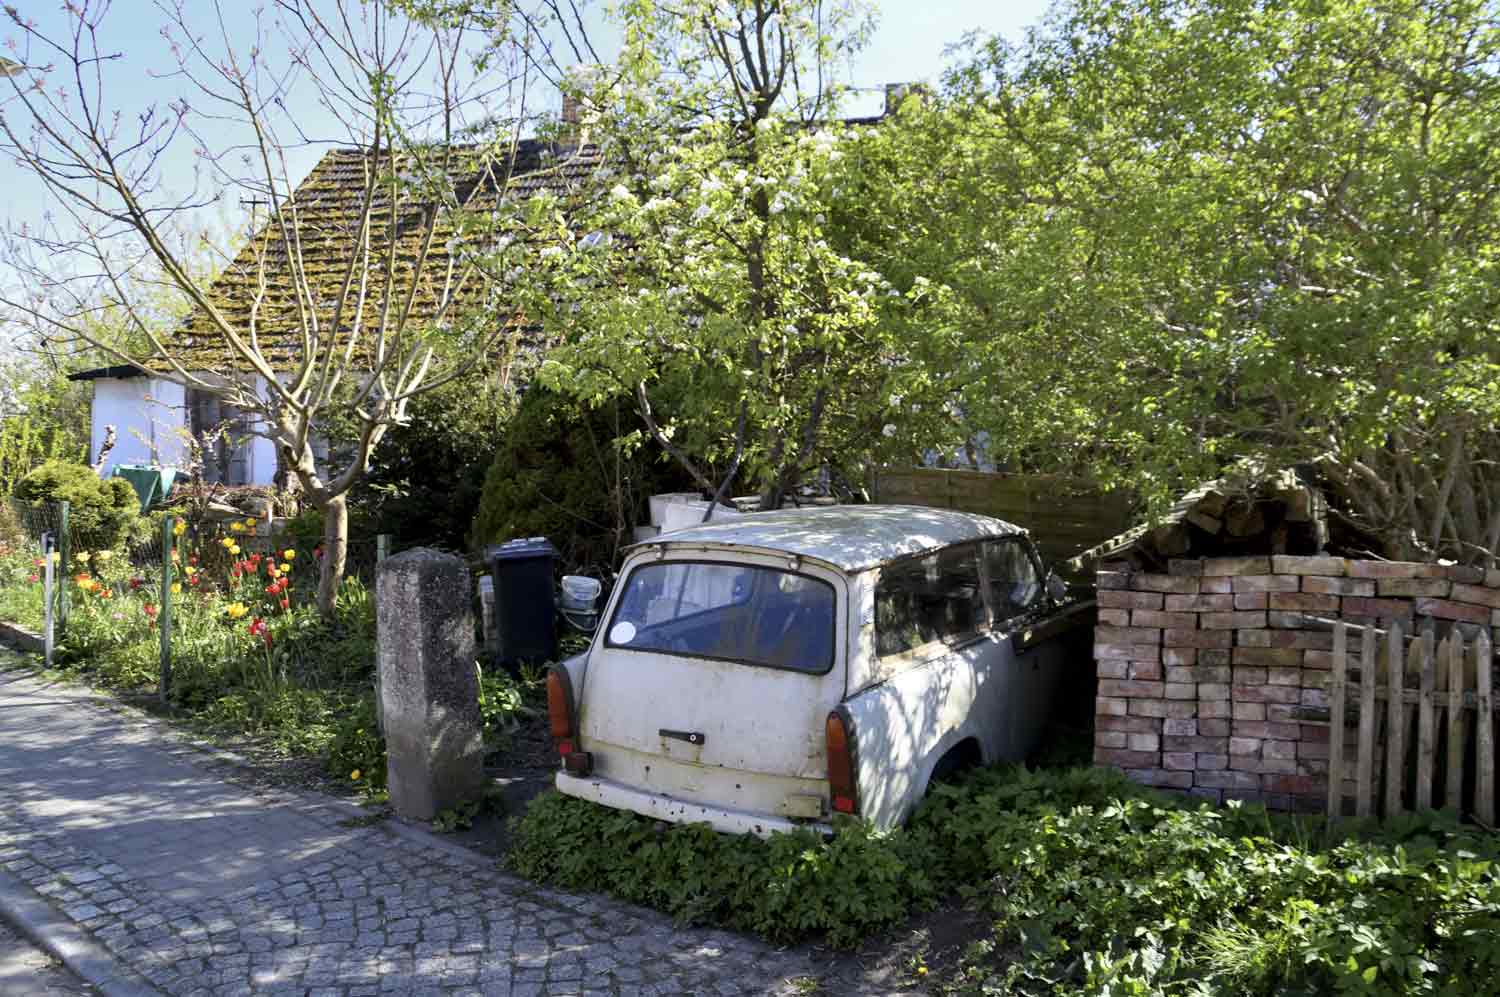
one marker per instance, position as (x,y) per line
(579,592)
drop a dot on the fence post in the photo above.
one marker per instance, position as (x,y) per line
(49,588)
(65,557)
(168,524)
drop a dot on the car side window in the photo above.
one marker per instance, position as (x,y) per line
(1015,583)
(933,597)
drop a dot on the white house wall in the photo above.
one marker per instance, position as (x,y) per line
(149,416)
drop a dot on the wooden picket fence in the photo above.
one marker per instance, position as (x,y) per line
(1432,720)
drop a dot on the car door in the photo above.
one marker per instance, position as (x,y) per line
(1021,610)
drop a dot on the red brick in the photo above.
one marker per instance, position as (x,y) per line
(1312,749)
(1143,742)
(1126,759)
(1284,676)
(1214,656)
(1338,586)
(1164,583)
(1245,746)
(1275,749)
(1127,635)
(1181,690)
(1199,603)
(1185,673)
(1186,567)
(1292,784)
(1475,593)
(1159,619)
(1109,739)
(1128,652)
(1250,675)
(1266,693)
(1228,780)
(1304,602)
(1108,668)
(1212,691)
(1270,766)
(1250,600)
(1322,641)
(1184,760)
(1237,566)
(1133,690)
(1195,743)
(1180,709)
(1292,564)
(1266,583)
(1216,708)
(1233,621)
(1106,706)
(1212,762)
(1112,579)
(1161,778)
(1444,609)
(1265,729)
(1213,728)
(1385,609)
(1249,711)
(1313,733)
(1217,586)
(1175,637)
(1149,671)
(1393,569)
(1176,656)
(1267,656)
(1156,708)
(1408,588)
(1213,673)
(1114,617)
(1180,728)
(1128,725)
(1128,600)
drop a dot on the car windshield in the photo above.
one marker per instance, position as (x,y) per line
(730,612)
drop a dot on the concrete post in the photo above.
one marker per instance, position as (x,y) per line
(429,689)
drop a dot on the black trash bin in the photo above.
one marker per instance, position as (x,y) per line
(521,571)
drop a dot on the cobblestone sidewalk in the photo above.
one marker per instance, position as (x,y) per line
(204,887)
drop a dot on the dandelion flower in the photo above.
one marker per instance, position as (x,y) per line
(354,776)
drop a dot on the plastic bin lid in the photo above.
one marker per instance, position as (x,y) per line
(527,547)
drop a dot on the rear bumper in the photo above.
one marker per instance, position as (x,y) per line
(622,797)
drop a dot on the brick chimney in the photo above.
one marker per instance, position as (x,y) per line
(575,125)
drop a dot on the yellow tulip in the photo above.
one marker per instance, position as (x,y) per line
(234,548)
(235,527)
(82,557)
(227,542)
(354,775)
(235,610)
(285,567)
(190,570)
(104,555)
(289,554)
(176,588)
(179,528)
(249,523)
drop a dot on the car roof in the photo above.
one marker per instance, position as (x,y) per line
(849,537)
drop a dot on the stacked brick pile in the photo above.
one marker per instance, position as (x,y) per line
(1213,676)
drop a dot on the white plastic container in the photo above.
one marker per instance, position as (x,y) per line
(580,592)
(681,515)
(660,504)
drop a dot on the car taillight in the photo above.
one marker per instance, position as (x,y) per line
(843,788)
(560,714)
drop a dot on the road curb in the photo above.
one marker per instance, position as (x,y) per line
(21,639)
(66,942)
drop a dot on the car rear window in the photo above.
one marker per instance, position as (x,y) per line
(729,612)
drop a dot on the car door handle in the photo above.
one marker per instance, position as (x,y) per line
(690,736)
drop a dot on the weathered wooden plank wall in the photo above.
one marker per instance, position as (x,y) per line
(1066,516)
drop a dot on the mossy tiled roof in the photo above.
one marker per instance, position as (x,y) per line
(324,216)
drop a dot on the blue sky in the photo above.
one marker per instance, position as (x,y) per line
(908,45)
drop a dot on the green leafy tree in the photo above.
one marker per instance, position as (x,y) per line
(702,270)
(1185,233)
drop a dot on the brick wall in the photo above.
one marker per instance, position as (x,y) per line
(1213,677)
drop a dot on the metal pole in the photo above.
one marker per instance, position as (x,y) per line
(64,563)
(382,547)
(382,551)
(165,614)
(48,586)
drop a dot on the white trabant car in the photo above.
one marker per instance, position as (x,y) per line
(770,671)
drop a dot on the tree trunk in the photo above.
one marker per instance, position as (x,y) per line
(335,553)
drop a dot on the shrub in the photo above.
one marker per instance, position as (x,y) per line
(1095,886)
(101,512)
(557,473)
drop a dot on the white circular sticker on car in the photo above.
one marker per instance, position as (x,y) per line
(622,633)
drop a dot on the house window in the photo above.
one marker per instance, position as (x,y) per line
(221,430)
